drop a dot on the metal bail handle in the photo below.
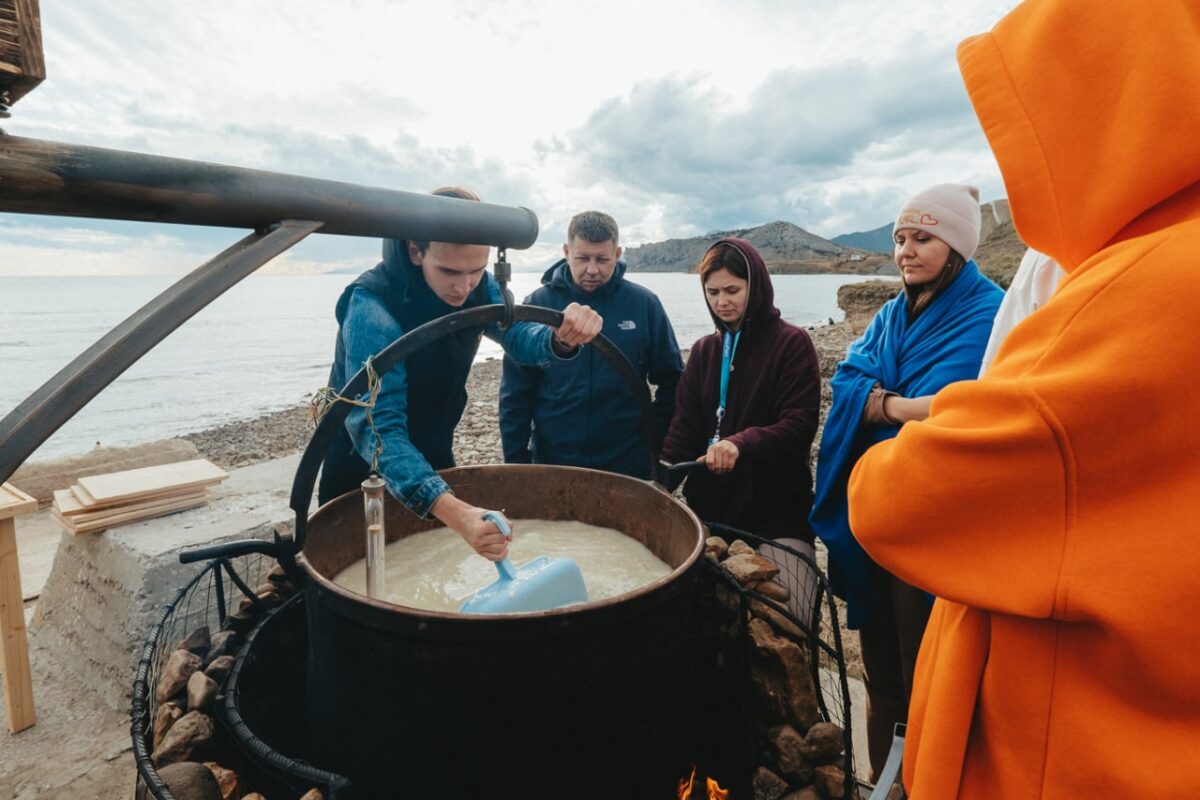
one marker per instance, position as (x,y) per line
(503,272)
(304,484)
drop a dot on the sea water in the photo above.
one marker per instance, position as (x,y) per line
(265,345)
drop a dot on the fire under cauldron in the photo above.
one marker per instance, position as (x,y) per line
(590,701)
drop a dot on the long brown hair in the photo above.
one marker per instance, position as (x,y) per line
(919,297)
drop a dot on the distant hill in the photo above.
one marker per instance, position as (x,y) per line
(878,240)
(786,248)
(1000,249)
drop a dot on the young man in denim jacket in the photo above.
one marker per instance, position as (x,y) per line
(421,400)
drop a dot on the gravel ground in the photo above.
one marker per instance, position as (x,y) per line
(477,440)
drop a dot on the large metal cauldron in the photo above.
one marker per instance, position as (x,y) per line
(592,701)
(589,701)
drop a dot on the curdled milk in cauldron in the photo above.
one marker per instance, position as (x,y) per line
(506,705)
(436,570)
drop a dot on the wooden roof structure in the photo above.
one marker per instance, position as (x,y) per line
(22,65)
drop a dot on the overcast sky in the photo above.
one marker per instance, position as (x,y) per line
(676,117)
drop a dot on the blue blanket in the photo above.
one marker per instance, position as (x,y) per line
(943,345)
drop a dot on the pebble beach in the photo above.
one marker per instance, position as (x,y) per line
(477,439)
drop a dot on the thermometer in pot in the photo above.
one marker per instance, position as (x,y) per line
(373,493)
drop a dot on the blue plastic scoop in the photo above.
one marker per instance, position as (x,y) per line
(537,585)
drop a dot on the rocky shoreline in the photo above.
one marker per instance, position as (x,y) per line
(477,439)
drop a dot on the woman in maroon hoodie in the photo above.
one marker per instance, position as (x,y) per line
(747,406)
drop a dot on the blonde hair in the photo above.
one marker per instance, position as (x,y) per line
(456,192)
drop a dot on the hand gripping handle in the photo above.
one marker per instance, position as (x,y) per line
(504,566)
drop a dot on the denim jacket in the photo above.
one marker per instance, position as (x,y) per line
(367,328)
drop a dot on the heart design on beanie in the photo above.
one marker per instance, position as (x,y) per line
(949,211)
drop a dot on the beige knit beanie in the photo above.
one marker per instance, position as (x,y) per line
(949,211)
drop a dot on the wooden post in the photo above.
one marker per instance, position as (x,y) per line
(14,647)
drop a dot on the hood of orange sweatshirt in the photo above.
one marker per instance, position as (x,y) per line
(1084,153)
(1078,444)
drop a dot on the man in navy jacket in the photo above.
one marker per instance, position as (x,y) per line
(578,412)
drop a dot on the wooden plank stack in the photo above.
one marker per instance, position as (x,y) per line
(99,502)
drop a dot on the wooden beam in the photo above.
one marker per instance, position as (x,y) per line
(14,502)
(14,646)
(68,180)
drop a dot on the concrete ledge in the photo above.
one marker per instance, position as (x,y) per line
(41,479)
(105,591)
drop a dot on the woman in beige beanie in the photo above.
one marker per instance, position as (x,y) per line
(932,334)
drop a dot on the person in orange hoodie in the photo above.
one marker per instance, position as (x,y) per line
(1052,506)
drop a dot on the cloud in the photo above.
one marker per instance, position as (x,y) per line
(254,89)
(825,147)
(826,115)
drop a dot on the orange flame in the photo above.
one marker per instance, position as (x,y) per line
(715,792)
(684,792)
(713,789)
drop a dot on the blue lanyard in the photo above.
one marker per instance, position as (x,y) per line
(728,349)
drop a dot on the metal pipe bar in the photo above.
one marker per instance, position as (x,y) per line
(40,177)
(24,429)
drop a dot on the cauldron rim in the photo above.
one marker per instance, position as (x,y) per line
(454,618)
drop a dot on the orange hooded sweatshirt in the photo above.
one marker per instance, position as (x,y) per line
(1054,505)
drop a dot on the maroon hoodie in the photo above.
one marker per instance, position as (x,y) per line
(771,412)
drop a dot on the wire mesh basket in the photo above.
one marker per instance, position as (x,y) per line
(214,598)
(813,626)
(219,597)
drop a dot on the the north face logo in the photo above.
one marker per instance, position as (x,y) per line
(626,325)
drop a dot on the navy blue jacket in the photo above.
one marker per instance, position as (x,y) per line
(579,413)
